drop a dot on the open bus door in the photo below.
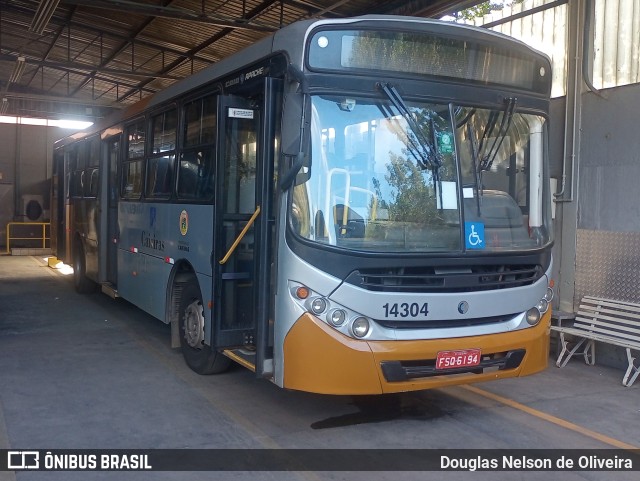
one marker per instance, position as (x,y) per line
(244,226)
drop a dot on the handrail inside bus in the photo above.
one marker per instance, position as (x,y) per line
(240,236)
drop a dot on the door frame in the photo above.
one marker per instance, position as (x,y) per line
(267,90)
(107,240)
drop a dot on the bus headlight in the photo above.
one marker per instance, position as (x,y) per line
(360,327)
(344,320)
(318,305)
(337,317)
(548,296)
(533,316)
(542,305)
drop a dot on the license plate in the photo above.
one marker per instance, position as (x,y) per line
(455,359)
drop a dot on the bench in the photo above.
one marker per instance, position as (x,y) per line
(603,320)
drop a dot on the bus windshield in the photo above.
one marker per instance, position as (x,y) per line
(369,188)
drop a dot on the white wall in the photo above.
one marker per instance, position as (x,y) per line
(25,168)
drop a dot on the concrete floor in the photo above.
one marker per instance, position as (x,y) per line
(92,372)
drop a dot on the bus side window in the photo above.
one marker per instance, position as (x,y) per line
(76,169)
(160,176)
(196,162)
(133,163)
(131,179)
(92,153)
(91,182)
(195,175)
(162,157)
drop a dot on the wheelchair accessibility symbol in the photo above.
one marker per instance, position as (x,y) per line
(474,235)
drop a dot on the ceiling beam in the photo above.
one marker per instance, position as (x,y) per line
(117,51)
(62,100)
(173,12)
(429,8)
(311,8)
(52,44)
(253,13)
(77,67)
(11,7)
(60,66)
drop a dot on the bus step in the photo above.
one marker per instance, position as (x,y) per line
(243,357)
(110,290)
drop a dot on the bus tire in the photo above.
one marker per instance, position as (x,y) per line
(198,355)
(81,282)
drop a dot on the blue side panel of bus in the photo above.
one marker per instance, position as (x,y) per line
(143,281)
(153,238)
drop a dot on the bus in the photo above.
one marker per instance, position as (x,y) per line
(350,206)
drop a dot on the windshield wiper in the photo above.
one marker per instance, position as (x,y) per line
(486,160)
(482,162)
(423,150)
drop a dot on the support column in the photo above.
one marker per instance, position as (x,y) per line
(567,197)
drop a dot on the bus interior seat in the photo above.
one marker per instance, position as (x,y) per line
(354,226)
(497,209)
(499,213)
(321,231)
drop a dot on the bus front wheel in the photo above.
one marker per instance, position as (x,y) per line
(198,355)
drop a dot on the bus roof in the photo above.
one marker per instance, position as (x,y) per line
(281,41)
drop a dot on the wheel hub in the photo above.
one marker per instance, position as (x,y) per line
(194,324)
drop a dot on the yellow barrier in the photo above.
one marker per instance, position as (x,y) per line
(43,237)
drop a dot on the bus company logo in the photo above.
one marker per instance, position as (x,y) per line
(23,460)
(463,307)
(258,72)
(232,82)
(254,73)
(153,214)
(184,222)
(150,241)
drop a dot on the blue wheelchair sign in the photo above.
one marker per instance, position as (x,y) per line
(474,235)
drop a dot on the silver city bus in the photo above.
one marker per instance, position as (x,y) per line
(350,206)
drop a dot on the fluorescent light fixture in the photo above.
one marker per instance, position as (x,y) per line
(33,121)
(70,124)
(43,15)
(18,70)
(64,124)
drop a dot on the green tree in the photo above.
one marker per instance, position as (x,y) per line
(483,9)
(412,199)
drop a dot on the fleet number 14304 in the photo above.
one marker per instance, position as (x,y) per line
(406,309)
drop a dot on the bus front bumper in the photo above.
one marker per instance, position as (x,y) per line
(321,360)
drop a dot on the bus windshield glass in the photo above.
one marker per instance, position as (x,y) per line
(368,187)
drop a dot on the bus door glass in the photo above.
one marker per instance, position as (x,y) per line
(113,150)
(91,206)
(235,206)
(57,204)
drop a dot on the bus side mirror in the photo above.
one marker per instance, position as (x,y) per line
(295,136)
(298,173)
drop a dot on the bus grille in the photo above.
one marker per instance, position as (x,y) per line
(435,279)
(445,323)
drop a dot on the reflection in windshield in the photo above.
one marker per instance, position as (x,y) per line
(421,147)
(367,191)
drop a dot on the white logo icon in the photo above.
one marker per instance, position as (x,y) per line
(23,460)
(474,238)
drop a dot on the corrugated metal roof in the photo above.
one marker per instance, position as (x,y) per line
(89,56)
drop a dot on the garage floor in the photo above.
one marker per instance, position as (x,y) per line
(92,372)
